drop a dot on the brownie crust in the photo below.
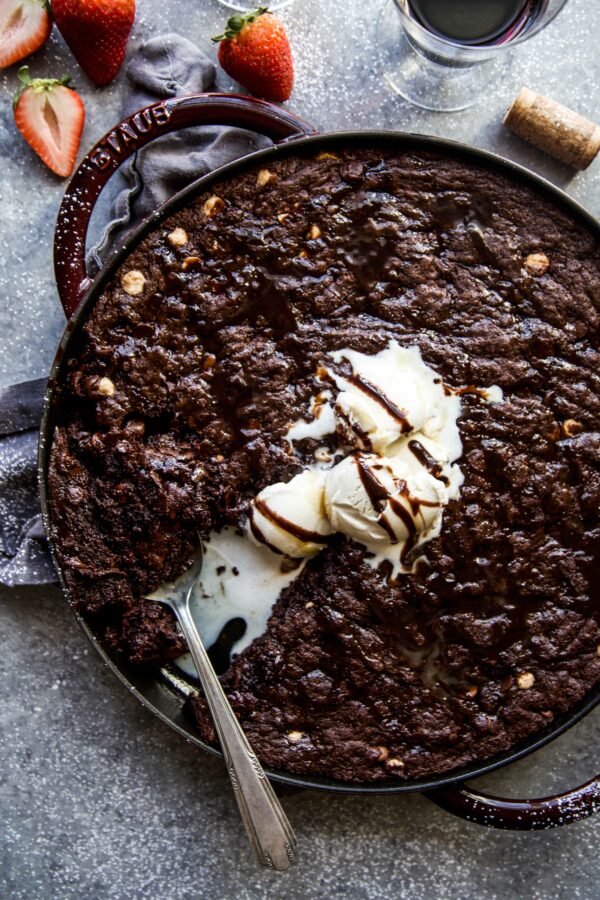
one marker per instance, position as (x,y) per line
(173,413)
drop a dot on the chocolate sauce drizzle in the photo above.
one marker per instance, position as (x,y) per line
(377,492)
(383,521)
(258,534)
(303,534)
(467,389)
(428,461)
(354,427)
(383,400)
(380,498)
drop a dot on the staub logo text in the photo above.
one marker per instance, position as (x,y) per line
(116,144)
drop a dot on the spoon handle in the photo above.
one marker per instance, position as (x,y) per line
(268,829)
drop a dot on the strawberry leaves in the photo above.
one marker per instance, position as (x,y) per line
(236,23)
(37,84)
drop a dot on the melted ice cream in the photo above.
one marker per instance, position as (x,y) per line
(238,580)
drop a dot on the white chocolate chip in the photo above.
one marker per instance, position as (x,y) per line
(314,232)
(133,282)
(213,206)
(525,680)
(394,763)
(264,177)
(282,217)
(309,605)
(572,427)
(295,736)
(178,237)
(189,261)
(537,264)
(106,387)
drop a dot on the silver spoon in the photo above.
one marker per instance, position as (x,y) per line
(268,829)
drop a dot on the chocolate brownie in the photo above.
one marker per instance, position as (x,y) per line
(204,348)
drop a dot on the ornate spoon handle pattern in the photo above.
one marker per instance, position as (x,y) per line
(269,831)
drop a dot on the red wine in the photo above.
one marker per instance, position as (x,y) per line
(475,21)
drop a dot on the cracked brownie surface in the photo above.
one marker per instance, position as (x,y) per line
(174,407)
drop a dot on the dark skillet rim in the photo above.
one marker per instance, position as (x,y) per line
(148,689)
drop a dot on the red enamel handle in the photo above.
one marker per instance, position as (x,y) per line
(128,136)
(520,815)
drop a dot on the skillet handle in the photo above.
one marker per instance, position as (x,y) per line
(128,136)
(520,815)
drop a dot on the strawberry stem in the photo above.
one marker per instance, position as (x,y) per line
(236,23)
(40,85)
(23,75)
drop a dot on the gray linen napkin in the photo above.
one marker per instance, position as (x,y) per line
(165,66)
(168,66)
(24,556)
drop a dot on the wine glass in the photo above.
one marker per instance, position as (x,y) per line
(249,5)
(446,74)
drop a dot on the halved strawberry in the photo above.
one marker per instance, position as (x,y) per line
(50,117)
(24,26)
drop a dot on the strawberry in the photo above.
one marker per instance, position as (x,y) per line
(24,26)
(50,117)
(256,52)
(97,33)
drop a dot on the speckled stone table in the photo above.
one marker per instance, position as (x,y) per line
(97,798)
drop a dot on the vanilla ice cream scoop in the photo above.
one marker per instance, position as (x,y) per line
(290,518)
(381,503)
(389,394)
(399,425)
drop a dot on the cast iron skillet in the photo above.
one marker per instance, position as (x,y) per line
(163,695)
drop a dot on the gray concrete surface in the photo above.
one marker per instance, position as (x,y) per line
(99,800)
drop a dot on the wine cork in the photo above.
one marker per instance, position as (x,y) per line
(554,128)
